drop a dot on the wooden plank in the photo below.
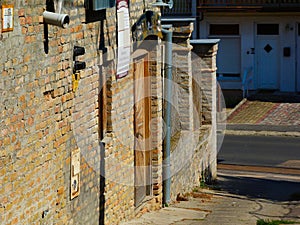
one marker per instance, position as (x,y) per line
(148,147)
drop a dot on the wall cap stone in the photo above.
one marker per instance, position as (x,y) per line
(204,41)
(179,19)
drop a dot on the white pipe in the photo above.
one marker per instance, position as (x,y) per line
(61,20)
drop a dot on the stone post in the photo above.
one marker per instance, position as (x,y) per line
(205,55)
(182,73)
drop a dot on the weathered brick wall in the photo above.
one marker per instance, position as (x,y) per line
(156,125)
(43,121)
(119,142)
(119,136)
(119,145)
(38,114)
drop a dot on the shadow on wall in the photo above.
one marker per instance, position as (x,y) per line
(232,97)
(275,96)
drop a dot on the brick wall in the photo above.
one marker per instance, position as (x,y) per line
(193,147)
(43,121)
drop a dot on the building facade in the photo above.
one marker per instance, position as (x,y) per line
(259,47)
(82,138)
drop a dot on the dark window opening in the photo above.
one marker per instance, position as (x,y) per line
(228,75)
(267,29)
(50,6)
(96,5)
(224,29)
(299,29)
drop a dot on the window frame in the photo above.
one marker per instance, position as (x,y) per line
(234,35)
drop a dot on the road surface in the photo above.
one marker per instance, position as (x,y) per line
(260,151)
(260,167)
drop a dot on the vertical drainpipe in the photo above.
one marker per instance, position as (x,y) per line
(194,15)
(168,96)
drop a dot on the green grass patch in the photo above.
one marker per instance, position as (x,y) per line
(274,222)
(202,184)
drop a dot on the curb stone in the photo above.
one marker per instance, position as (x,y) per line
(262,133)
(236,107)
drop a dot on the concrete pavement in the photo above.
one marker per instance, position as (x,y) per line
(227,202)
(215,207)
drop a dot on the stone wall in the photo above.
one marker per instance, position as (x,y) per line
(193,147)
(206,50)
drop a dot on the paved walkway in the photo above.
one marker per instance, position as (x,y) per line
(211,207)
(266,113)
(216,207)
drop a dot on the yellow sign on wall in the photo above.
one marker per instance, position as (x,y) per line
(75,173)
(7,18)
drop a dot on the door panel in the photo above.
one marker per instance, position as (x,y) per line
(141,129)
(267,61)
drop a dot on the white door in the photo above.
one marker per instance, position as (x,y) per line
(267,53)
(267,56)
(298,59)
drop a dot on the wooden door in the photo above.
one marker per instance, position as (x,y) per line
(141,129)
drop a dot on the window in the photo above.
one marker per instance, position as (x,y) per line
(95,10)
(230,75)
(298,29)
(224,29)
(229,56)
(267,29)
(99,4)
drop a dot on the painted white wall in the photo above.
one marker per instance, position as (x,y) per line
(247,44)
(288,74)
(203,29)
(288,64)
